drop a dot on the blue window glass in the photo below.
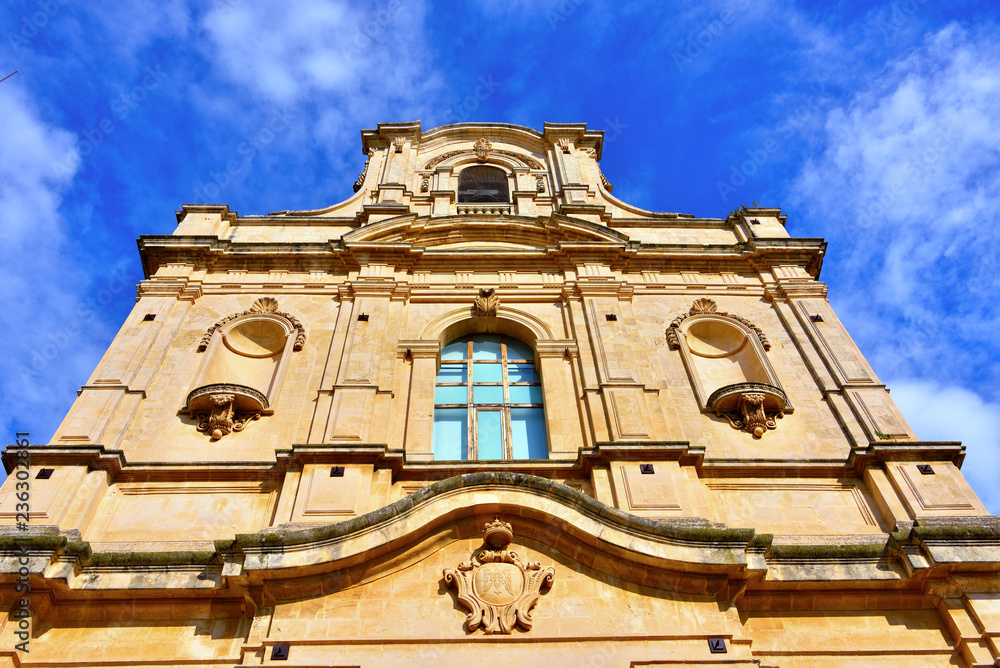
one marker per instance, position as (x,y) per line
(485,425)
(487,394)
(451,394)
(527,427)
(522,373)
(519,351)
(453,373)
(451,433)
(487,373)
(456,350)
(489,427)
(485,347)
(525,394)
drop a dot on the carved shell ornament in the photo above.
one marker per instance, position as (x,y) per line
(706,305)
(262,305)
(487,303)
(497,586)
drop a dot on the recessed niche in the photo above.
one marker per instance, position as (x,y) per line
(256,338)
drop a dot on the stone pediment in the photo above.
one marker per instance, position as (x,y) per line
(467,232)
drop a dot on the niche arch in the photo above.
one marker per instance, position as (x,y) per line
(246,356)
(726,359)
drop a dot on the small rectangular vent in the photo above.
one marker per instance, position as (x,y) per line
(611,317)
(336,471)
(280,652)
(44,474)
(717,645)
(817,318)
(149,317)
(925,469)
(645,468)
(363,317)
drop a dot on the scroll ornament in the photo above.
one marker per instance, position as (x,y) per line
(751,416)
(487,303)
(361,178)
(224,418)
(497,586)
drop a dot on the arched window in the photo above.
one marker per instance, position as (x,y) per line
(483,184)
(488,401)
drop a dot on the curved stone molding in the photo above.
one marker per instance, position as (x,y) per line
(497,586)
(262,305)
(530,162)
(708,306)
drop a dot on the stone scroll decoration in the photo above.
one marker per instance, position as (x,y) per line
(708,306)
(364,172)
(497,586)
(262,305)
(487,303)
(224,416)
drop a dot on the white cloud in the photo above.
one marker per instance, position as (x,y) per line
(905,188)
(288,52)
(951,413)
(49,336)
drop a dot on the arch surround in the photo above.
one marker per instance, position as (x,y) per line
(552,360)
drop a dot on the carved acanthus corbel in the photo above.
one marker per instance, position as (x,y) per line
(487,303)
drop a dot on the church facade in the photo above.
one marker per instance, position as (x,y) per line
(485,411)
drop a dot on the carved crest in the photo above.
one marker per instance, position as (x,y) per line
(705,305)
(487,303)
(497,587)
(482,147)
(262,305)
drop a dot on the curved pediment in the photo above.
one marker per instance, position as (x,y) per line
(469,232)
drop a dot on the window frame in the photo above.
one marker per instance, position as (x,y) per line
(504,407)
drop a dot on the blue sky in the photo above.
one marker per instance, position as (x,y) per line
(872,125)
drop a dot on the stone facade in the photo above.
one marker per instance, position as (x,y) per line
(249,475)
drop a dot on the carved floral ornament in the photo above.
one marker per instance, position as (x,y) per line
(482,147)
(262,305)
(707,306)
(497,586)
(487,303)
